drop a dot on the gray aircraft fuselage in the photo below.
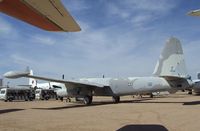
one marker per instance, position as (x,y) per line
(120,86)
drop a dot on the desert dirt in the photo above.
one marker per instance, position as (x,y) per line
(176,112)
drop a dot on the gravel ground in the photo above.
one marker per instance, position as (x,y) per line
(176,112)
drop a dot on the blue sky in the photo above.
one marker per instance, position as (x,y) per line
(119,38)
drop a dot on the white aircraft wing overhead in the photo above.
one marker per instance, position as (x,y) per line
(68,83)
(194,13)
(49,15)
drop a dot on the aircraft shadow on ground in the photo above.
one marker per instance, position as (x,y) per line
(142,127)
(168,102)
(192,103)
(183,96)
(101,103)
(76,105)
(9,110)
(95,103)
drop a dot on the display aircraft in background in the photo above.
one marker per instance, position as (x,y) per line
(196,85)
(59,88)
(170,73)
(49,15)
(194,13)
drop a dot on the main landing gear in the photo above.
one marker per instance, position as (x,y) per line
(190,91)
(87,100)
(116,99)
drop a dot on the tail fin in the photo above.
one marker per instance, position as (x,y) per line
(32,82)
(171,62)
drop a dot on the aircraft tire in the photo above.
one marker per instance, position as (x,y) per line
(116,99)
(87,100)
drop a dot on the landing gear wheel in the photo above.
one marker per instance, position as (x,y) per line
(116,99)
(87,100)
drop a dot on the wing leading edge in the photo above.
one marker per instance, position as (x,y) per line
(68,83)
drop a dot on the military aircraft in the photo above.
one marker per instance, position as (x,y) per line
(170,73)
(49,15)
(196,85)
(194,13)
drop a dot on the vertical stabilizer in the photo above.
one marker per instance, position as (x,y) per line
(32,82)
(171,61)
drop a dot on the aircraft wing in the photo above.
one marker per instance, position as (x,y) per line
(49,15)
(68,83)
(194,13)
